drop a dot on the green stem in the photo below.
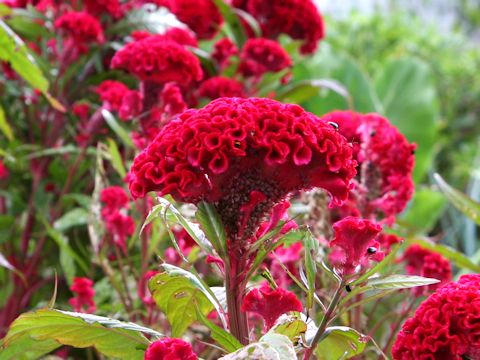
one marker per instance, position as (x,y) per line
(326,318)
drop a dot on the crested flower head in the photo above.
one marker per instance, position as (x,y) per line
(223,50)
(83,301)
(112,93)
(96,7)
(220,86)
(158,60)
(260,55)
(179,35)
(202,16)
(354,244)
(385,163)
(445,325)
(270,303)
(428,264)
(170,349)
(244,155)
(81,27)
(300,19)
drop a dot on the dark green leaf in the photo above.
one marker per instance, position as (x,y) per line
(117,128)
(211,224)
(233,22)
(340,342)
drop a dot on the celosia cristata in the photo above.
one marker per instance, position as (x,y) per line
(111,92)
(202,16)
(300,19)
(155,59)
(270,303)
(354,244)
(179,35)
(219,86)
(223,50)
(3,171)
(81,27)
(245,155)
(170,349)
(445,326)
(385,159)
(428,264)
(97,7)
(259,56)
(83,301)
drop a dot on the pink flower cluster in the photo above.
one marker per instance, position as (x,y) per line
(119,226)
(170,349)
(83,301)
(445,326)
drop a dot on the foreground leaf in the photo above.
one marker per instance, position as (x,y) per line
(5,126)
(34,334)
(340,342)
(179,299)
(270,347)
(399,282)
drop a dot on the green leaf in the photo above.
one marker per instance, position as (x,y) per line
(270,347)
(340,342)
(5,10)
(451,254)
(178,297)
(116,158)
(407,91)
(461,201)
(75,217)
(7,265)
(291,326)
(117,128)
(233,22)
(399,282)
(14,51)
(304,90)
(36,333)
(211,224)
(423,211)
(311,250)
(226,340)
(5,126)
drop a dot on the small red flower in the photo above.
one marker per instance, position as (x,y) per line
(179,35)
(223,50)
(170,349)
(158,60)
(445,325)
(354,244)
(97,7)
(81,27)
(429,264)
(219,86)
(270,303)
(260,55)
(131,105)
(3,170)
(83,301)
(300,19)
(202,16)
(115,198)
(81,110)
(111,92)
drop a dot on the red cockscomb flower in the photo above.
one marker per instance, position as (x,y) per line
(219,86)
(354,244)
(131,105)
(300,19)
(81,27)
(97,7)
(235,150)
(115,198)
(223,50)
(179,35)
(202,16)
(259,56)
(270,303)
(428,264)
(385,159)
(170,349)
(112,92)
(3,170)
(158,60)
(445,326)
(83,301)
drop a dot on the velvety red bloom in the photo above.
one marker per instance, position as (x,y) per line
(120,227)
(83,301)
(112,92)
(202,16)
(179,35)
(223,50)
(270,303)
(384,183)
(81,26)
(3,170)
(354,244)
(260,55)
(445,326)
(81,110)
(158,60)
(219,86)
(170,349)
(172,102)
(428,264)
(388,240)
(115,198)
(97,7)
(300,19)
(131,105)
(233,148)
